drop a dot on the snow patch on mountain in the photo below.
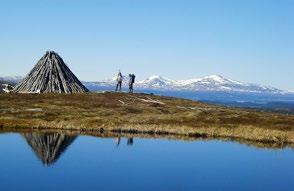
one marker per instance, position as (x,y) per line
(155,82)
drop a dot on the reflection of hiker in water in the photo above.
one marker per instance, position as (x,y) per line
(130,141)
(119,80)
(131,82)
(117,141)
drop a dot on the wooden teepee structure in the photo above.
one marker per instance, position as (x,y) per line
(50,75)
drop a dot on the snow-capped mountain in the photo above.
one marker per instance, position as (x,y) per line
(156,82)
(208,83)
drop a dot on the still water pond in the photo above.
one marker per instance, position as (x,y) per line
(52,161)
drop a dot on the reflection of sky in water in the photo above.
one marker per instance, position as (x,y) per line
(91,163)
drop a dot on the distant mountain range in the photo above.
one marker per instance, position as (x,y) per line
(212,83)
(215,83)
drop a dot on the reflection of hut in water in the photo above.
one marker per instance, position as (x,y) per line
(48,146)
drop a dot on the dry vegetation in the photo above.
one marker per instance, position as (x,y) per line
(142,114)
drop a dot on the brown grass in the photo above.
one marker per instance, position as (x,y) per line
(120,112)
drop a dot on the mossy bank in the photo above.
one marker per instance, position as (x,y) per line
(141,113)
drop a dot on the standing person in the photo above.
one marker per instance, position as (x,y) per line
(131,82)
(119,80)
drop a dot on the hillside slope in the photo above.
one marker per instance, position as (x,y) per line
(142,113)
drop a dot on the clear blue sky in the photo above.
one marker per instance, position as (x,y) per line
(245,40)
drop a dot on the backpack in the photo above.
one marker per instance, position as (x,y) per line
(133,78)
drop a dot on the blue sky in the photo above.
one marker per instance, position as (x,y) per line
(245,40)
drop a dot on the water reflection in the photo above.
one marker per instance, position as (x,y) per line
(165,162)
(117,141)
(130,141)
(48,147)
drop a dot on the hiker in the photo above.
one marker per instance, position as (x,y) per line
(131,82)
(119,80)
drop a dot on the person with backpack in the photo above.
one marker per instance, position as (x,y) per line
(119,80)
(131,82)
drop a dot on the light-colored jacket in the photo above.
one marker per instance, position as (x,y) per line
(119,77)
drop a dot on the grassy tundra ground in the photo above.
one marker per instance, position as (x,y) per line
(141,113)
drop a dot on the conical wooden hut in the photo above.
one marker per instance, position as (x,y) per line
(50,75)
